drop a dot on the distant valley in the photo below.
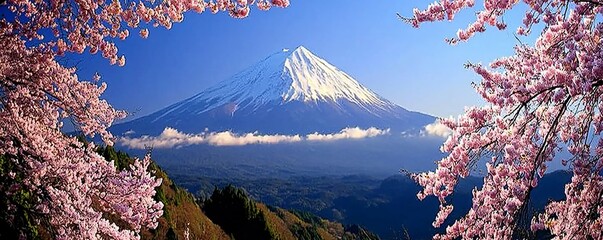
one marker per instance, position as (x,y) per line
(386,206)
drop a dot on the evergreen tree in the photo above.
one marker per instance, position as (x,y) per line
(237,214)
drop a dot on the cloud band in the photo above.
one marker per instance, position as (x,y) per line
(172,138)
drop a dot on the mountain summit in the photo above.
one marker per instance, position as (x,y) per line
(290,76)
(289,92)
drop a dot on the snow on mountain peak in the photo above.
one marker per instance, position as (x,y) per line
(287,76)
(314,79)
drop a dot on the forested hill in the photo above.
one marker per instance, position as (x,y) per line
(230,214)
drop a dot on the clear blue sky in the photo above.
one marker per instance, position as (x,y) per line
(414,68)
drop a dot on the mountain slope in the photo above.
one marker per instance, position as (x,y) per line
(243,218)
(288,92)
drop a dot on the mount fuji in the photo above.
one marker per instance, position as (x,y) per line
(289,92)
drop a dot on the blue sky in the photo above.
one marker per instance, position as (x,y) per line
(414,68)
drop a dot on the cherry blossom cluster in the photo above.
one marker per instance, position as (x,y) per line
(73,186)
(543,99)
(76,193)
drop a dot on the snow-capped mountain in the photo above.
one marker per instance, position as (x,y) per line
(288,92)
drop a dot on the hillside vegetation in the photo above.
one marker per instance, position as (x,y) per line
(230,214)
(243,218)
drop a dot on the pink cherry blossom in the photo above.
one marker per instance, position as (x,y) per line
(76,193)
(541,99)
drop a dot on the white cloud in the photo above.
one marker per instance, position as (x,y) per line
(348,133)
(230,139)
(438,129)
(168,138)
(172,138)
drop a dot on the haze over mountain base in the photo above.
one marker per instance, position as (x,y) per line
(380,157)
